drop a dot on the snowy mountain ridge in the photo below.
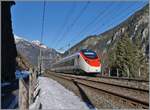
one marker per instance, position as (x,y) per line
(30,50)
(18,38)
(38,43)
(34,42)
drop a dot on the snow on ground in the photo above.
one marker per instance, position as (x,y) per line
(54,96)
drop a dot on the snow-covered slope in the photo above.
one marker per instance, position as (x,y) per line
(34,42)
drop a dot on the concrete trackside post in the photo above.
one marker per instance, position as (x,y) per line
(128,72)
(117,73)
(139,72)
(109,72)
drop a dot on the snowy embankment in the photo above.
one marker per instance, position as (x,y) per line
(54,96)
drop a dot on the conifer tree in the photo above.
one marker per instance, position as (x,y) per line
(127,56)
(122,59)
(141,59)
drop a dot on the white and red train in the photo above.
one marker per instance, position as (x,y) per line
(85,61)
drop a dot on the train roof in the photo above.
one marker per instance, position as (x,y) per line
(67,57)
(70,56)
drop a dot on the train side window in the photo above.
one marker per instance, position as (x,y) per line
(66,63)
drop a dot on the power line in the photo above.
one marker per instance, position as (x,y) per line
(123,11)
(97,18)
(97,28)
(41,40)
(109,15)
(114,17)
(69,14)
(94,21)
(74,22)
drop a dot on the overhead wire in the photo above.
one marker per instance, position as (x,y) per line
(113,17)
(107,20)
(95,20)
(124,11)
(104,17)
(74,22)
(41,40)
(123,16)
(63,26)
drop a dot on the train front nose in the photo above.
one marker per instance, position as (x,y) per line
(91,61)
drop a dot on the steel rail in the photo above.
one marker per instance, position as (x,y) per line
(124,78)
(136,100)
(99,81)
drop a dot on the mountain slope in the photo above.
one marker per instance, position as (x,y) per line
(31,51)
(22,63)
(136,25)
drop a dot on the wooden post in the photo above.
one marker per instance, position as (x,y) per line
(30,87)
(30,91)
(23,95)
(34,78)
(32,83)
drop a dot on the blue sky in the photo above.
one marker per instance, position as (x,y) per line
(69,22)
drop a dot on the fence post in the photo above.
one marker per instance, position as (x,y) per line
(34,78)
(23,95)
(30,86)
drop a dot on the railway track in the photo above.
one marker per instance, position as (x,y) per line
(109,93)
(125,82)
(127,79)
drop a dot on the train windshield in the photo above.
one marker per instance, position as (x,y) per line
(90,54)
